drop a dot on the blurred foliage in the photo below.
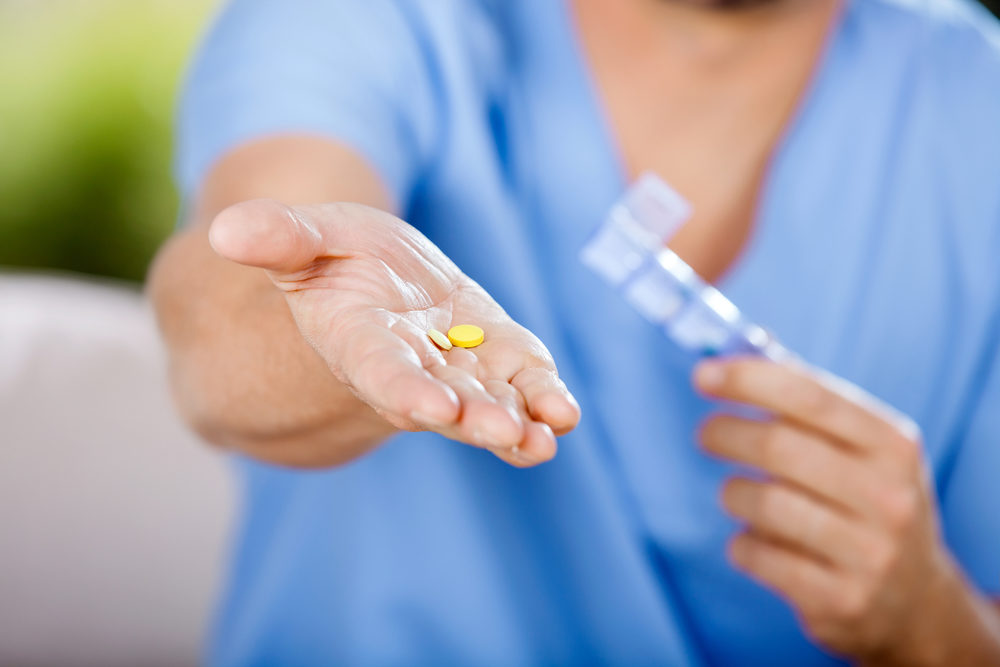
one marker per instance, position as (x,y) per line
(86,110)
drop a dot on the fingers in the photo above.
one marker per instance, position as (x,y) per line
(508,398)
(773,565)
(490,411)
(523,360)
(267,234)
(839,410)
(794,455)
(547,398)
(538,444)
(779,512)
(410,384)
(483,420)
(494,414)
(388,374)
(465,360)
(417,339)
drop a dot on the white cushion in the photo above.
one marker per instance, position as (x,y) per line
(113,517)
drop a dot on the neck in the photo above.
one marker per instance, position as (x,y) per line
(719,32)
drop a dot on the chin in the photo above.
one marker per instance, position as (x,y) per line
(727,5)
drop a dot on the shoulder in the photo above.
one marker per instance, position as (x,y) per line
(944,45)
(315,25)
(465,38)
(935,19)
(941,61)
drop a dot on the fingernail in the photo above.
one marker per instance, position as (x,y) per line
(710,375)
(567,407)
(487,440)
(426,420)
(521,457)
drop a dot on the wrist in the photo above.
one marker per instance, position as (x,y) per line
(949,623)
(939,620)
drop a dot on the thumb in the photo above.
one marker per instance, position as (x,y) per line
(267,234)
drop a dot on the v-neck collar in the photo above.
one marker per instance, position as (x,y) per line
(570,50)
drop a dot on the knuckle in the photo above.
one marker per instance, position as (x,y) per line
(904,426)
(908,450)
(531,346)
(822,630)
(773,446)
(771,504)
(881,556)
(507,361)
(499,388)
(851,604)
(899,507)
(740,379)
(526,380)
(811,397)
(531,361)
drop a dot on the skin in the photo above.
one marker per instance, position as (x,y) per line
(364,288)
(872,581)
(294,330)
(844,523)
(701,98)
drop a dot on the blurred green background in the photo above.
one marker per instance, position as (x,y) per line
(88,93)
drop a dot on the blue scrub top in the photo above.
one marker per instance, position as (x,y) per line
(874,255)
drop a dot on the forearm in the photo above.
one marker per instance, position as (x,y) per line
(960,626)
(974,627)
(242,374)
(968,632)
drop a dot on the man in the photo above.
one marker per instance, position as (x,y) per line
(842,159)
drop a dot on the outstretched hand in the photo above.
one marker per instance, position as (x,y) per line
(365,287)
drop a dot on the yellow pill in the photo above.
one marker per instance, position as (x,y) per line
(466,335)
(439,339)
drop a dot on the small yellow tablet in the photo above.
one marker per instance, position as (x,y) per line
(439,339)
(466,335)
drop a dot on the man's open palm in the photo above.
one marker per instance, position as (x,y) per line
(365,287)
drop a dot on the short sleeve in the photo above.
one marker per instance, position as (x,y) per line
(970,498)
(356,72)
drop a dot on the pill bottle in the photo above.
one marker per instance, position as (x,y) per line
(629,251)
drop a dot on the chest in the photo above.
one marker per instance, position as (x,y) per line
(850,266)
(705,110)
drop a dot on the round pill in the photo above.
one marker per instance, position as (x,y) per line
(466,335)
(439,339)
